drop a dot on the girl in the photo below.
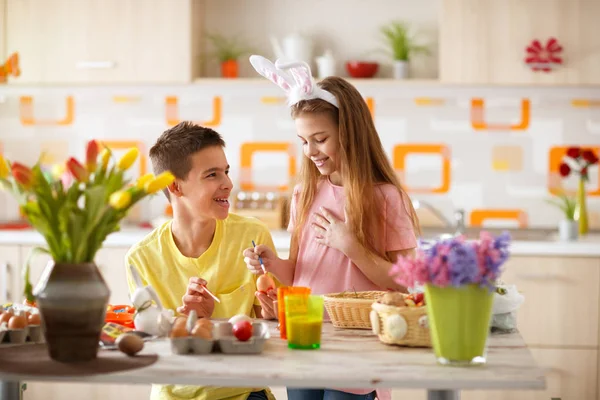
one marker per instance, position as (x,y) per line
(350,218)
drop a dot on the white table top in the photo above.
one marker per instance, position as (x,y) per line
(347,359)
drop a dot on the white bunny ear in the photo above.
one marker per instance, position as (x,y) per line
(268,70)
(298,83)
(305,88)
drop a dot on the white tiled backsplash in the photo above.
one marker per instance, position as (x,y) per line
(484,149)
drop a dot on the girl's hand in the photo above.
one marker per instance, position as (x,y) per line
(332,232)
(251,258)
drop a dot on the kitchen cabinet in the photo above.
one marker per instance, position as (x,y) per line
(2,30)
(484,41)
(104,41)
(553,287)
(10,273)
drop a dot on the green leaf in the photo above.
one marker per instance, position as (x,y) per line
(28,289)
(401,44)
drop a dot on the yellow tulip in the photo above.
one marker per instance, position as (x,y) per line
(128,159)
(141,182)
(57,170)
(105,157)
(119,200)
(4,171)
(160,182)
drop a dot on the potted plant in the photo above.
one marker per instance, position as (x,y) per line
(568,227)
(401,46)
(227,51)
(460,281)
(578,161)
(75,213)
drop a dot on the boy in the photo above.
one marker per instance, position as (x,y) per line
(202,245)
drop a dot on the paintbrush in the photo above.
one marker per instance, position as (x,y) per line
(260,260)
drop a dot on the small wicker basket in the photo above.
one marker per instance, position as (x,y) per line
(404,326)
(351,309)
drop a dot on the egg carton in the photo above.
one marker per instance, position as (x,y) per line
(223,341)
(27,335)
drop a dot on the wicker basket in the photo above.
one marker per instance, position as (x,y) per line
(351,309)
(404,326)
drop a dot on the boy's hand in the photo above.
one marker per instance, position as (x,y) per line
(251,258)
(197,299)
(268,310)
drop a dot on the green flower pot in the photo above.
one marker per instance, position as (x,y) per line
(459,321)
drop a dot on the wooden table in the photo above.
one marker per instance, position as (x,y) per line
(347,358)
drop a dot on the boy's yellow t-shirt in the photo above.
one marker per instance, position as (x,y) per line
(161,265)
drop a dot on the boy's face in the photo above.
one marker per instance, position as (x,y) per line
(206,190)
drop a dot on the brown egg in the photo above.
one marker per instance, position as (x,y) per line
(178,331)
(17,322)
(6,316)
(202,331)
(264,283)
(205,322)
(129,343)
(34,319)
(393,299)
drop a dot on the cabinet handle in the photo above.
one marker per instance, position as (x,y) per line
(4,283)
(95,64)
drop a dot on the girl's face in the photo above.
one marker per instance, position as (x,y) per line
(319,136)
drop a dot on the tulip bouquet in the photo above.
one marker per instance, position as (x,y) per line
(75,212)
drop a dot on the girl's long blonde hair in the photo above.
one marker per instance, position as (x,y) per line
(363,161)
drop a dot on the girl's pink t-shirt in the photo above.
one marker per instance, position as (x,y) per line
(327,270)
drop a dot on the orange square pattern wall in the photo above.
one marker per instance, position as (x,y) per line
(247,151)
(498,149)
(403,150)
(28,118)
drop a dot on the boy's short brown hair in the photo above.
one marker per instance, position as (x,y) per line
(175,146)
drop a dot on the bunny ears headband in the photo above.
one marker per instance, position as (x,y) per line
(294,77)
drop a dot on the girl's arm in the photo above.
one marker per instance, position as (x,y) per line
(284,269)
(376,268)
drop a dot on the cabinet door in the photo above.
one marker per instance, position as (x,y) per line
(3,54)
(63,41)
(561,299)
(570,374)
(38,264)
(111,262)
(10,273)
(484,41)
(59,391)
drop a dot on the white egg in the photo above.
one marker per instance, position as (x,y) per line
(240,317)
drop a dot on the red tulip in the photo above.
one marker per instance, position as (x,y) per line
(22,174)
(584,171)
(573,152)
(589,156)
(77,170)
(91,156)
(564,170)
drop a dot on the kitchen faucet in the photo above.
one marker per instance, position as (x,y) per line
(459,216)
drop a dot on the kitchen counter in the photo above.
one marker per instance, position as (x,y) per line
(348,358)
(587,246)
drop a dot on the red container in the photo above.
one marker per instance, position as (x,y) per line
(362,69)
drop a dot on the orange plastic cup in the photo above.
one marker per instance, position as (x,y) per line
(281,293)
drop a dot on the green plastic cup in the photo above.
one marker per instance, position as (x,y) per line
(304,321)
